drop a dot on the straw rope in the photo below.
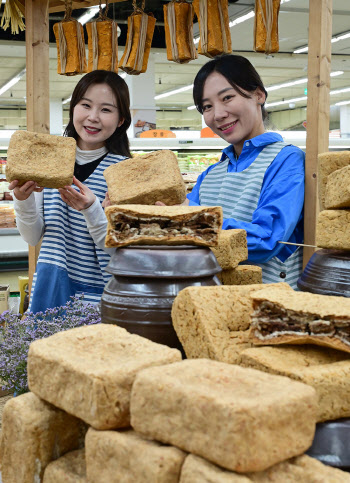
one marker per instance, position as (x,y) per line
(13,14)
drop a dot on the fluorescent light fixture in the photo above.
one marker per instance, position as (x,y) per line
(298,99)
(286,101)
(12,81)
(298,81)
(343,36)
(334,39)
(175,91)
(89,14)
(339,91)
(342,103)
(191,107)
(241,19)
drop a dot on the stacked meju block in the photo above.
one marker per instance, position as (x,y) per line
(230,252)
(109,406)
(333,224)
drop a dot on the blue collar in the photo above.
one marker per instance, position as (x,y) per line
(261,140)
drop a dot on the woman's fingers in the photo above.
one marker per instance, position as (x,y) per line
(13,184)
(77,182)
(79,200)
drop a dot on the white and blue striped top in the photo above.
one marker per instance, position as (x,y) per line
(69,262)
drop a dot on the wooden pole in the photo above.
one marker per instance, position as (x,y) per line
(317,119)
(37,80)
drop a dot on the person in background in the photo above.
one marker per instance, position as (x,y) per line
(71,220)
(259,180)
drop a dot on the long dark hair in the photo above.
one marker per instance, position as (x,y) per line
(118,143)
(237,70)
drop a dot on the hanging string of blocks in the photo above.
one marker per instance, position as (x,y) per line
(214,31)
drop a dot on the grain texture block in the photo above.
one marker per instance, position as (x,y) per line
(70,468)
(301,469)
(214,322)
(290,317)
(326,370)
(163,225)
(327,163)
(145,179)
(338,189)
(241,419)
(89,371)
(333,229)
(49,160)
(232,248)
(127,457)
(33,434)
(241,275)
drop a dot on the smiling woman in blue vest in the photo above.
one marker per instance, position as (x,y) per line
(259,181)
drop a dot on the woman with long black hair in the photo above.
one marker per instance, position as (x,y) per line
(71,220)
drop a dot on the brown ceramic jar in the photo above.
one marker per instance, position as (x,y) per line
(145,281)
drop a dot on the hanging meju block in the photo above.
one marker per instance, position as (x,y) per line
(214,29)
(266,26)
(102,43)
(178,25)
(70,43)
(138,41)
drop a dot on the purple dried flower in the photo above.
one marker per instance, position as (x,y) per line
(16,336)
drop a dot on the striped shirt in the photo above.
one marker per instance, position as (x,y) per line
(69,262)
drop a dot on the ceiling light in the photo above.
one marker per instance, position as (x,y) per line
(342,103)
(241,19)
(89,14)
(175,91)
(334,39)
(298,81)
(287,101)
(339,91)
(191,107)
(12,82)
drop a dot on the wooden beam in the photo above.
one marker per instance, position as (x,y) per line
(317,119)
(37,79)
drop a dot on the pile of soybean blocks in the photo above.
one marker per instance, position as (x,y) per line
(231,251)
(333,223)
(109,406)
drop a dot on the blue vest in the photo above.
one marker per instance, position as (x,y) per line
(238,194)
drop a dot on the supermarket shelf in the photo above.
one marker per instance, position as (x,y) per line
(9,231)
(292,137)
(177,144)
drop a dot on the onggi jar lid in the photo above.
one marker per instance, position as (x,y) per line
(153,261)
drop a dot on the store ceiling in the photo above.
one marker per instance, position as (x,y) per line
(274,69)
